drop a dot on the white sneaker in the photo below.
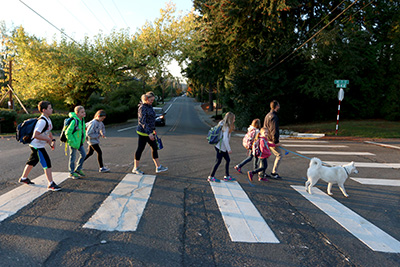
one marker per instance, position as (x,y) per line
(137,171)
(104,169)
(161,168)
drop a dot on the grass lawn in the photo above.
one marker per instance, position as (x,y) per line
(357,128)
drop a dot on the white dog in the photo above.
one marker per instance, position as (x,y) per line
(331,175)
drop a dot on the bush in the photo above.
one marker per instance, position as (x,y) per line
(57,119)
(8,123)
(114,114)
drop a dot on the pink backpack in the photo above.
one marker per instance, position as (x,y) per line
(248,139)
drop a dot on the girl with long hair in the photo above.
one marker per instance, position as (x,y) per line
(223,148)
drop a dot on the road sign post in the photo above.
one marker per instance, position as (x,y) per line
(340,84)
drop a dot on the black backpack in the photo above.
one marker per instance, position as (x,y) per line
(25,130)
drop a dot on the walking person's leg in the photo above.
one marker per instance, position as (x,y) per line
(81,159)
(251,173)
(216,165)
(46,164)
(72,158)
(90,152)
(96,147)
(32,161)
(263,167)
(138,154)
(278,157)
(227,161)
(245,161)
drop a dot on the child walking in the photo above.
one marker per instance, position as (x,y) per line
(264,154)
(41,136)
(223,148)
(252,131)
(95,130)
(75,137)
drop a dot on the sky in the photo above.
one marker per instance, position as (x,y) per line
(80,18)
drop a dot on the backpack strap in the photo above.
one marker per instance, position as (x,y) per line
(47,124)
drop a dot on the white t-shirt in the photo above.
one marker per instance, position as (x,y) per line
(36,143)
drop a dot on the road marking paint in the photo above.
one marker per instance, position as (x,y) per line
(128,128)
(123,208)
(319,146)
(170,105)
(242,219)
(336,153)
(371,181)
(381,144)
(366,164)
(14,200)
(302,141)
(366,232)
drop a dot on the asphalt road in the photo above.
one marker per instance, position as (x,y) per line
(182,224)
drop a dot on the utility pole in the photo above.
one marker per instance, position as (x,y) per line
(10,102)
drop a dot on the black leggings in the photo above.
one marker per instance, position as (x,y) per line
(220,155)
(142,140)
(96,148)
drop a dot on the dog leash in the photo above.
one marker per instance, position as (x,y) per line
(297,154)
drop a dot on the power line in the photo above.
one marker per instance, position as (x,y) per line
(93,14)
(294,51)
(120,14)
(80,22)
(49,22)
(107,12)
(309,31)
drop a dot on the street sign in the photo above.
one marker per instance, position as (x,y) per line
(341,94)
(341,83)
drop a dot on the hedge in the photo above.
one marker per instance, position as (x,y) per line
(114,115)
(7,122)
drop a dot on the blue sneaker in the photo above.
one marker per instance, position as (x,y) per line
(137,171)
(213,179)
(161,168)
(229,178)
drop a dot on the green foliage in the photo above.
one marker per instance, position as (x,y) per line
(261,50)
(68,73)
(57,119)
(8,122)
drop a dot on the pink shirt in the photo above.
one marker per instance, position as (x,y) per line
(264,147)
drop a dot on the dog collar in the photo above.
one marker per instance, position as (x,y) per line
(346,171)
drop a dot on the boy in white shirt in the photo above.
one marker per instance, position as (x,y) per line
(40,138)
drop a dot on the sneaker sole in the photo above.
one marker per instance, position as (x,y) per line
(53,189)
(161,171)
(27,183)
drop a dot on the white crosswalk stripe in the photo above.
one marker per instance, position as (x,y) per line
(16,199)
(342,153)
(242,219)
(365,231)
(366,164)
(123,208)
(371,181)
(315,146)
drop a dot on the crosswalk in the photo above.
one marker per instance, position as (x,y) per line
(123,208)
(242,219)
(366,232)
(14,200)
